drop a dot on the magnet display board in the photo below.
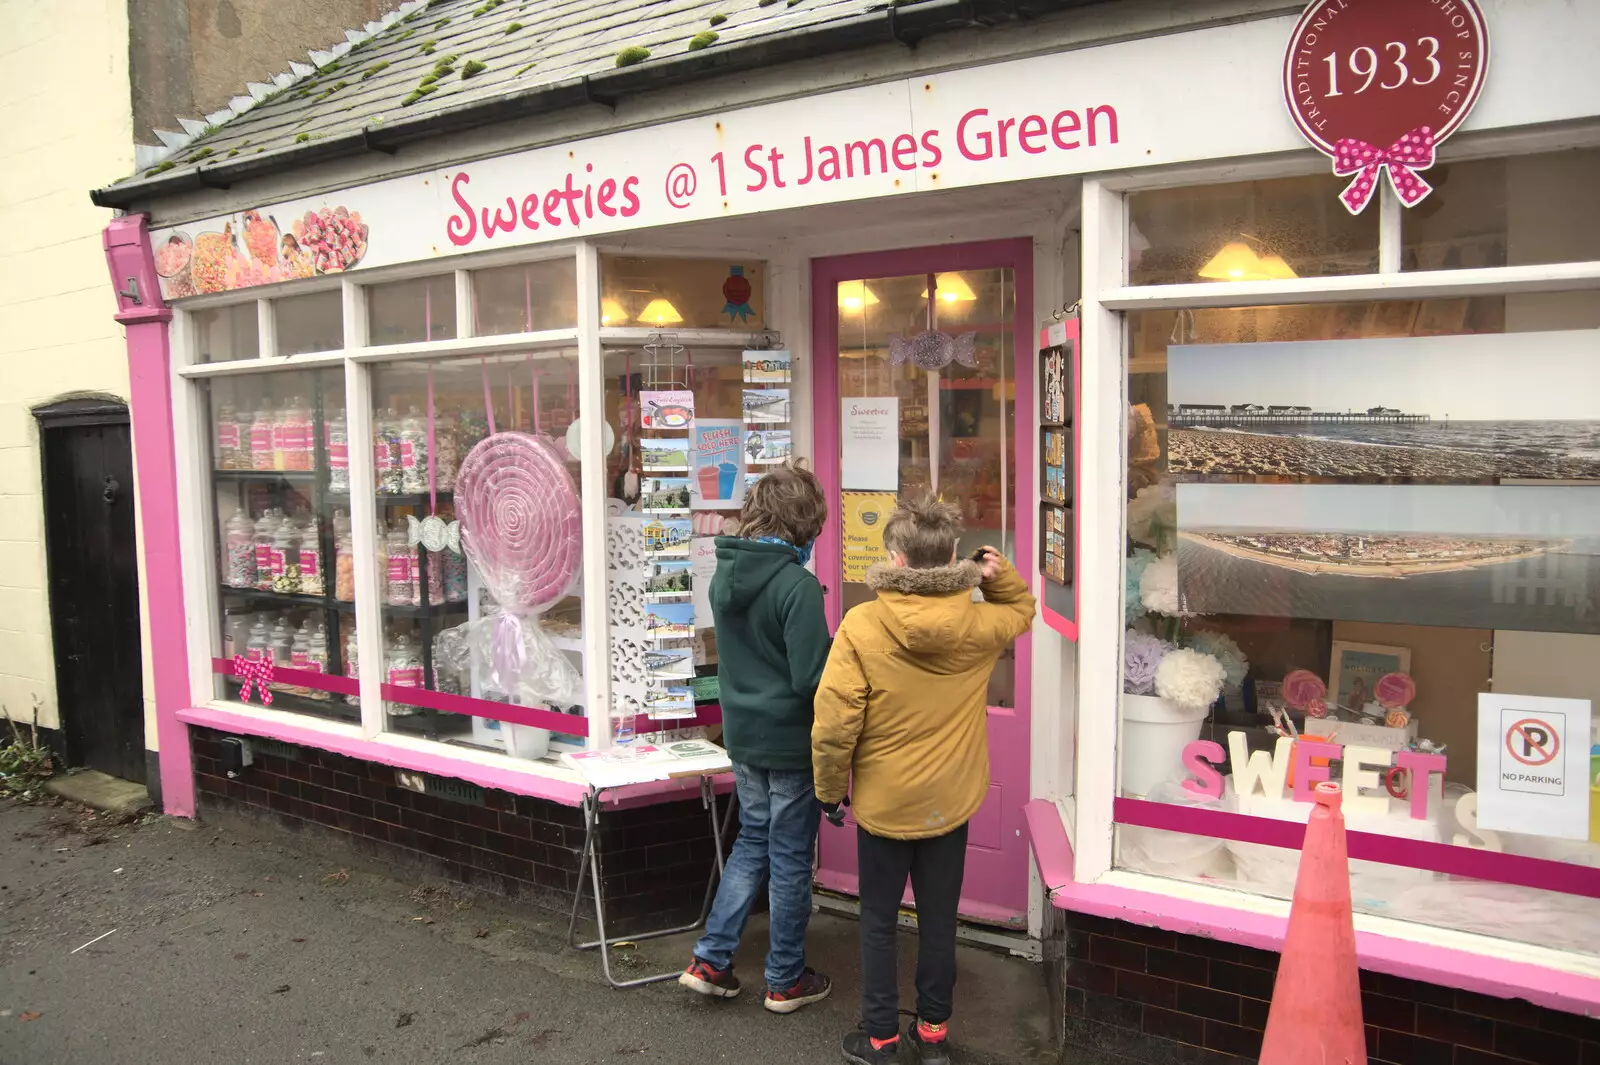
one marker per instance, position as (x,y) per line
(1058,475)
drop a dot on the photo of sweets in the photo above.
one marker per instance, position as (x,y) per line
(1443,409)
(1493,557)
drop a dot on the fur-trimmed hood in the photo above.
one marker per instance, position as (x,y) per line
(927,611)
(963,576)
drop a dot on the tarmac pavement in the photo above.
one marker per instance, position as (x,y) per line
(158,941)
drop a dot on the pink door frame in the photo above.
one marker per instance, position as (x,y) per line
(996,890)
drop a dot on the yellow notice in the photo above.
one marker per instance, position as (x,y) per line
(865,514)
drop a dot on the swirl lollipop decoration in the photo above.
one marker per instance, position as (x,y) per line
(521,528)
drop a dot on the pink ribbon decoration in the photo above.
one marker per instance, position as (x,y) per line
(256,671)
(506,649)
(1411,153)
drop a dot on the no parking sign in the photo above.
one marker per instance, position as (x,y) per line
(1533,765)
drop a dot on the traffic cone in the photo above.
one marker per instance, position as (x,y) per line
(1316,1003)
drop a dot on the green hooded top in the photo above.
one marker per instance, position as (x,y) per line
(772,642)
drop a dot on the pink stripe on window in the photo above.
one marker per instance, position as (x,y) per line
(1479,864)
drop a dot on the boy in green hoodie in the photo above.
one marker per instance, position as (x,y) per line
(772,641)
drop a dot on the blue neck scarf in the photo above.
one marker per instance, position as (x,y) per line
(804,553)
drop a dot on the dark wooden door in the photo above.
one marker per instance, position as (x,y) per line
(94,585)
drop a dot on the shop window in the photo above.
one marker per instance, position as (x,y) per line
(449,627)
(313,322)
(224,334)
(1348,524)
(1247,231)
(526,298)
(676,475)
(410,312)
(940,349)
(1505,212)
(286,593)
(671,294)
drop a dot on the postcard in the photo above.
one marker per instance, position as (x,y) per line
(668,536)
(766,367)
(670,663)
(664,495)
(666,454)
(671,580)
(669,621)
(671,411)
(766,404)
(767,447)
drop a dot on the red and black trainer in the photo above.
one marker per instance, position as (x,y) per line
(709,980)
(811,987)
(861,1049)
(930,1041)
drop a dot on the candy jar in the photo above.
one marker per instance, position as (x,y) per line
(403,669)
(455,575)
(435,575)
(446,452)
(386,453)
(352,662)
(300,655)
(447,652)
(239,563)
(338,441)
(261,440)
(259,647)
(265,532)
(413,453)
(474,427)
(285,558)
(401,567)
(311,567)
(280,438)
(344,568)
(317,660)
(227,438)
(281,642)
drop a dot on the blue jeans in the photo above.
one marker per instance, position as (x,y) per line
(778,817)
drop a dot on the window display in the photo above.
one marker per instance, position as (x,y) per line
(525,298)
(663,293)
(313,322)
(409,312)
(281,530)
(479,544)
(1355,534)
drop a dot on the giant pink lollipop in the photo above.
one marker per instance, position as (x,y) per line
(520,522)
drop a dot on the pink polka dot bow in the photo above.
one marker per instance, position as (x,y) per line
(256,671)
(1412,152)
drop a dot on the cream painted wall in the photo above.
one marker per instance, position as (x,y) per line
(68,127)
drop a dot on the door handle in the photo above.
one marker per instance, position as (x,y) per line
(109,493)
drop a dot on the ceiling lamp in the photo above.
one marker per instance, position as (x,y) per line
(1276,269)
(952,288)
(612,312)
(855,297)
(1235,262)
(660,311)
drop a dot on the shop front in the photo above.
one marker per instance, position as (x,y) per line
(1306,485)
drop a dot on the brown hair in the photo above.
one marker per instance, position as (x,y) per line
(787,503)
(925,531)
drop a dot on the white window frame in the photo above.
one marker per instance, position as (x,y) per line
(1107,297)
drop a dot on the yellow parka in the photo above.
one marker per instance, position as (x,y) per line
(901,706)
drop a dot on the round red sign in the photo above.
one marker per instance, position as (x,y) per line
(1378,83)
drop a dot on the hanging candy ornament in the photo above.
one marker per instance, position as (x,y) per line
(736,290)
(933,350)
(433,532)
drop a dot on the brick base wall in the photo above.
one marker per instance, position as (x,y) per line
(1143,996)
(655,858)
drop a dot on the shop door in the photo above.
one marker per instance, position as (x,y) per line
(94,584)
(919,390)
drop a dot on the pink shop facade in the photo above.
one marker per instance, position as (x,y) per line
(1095,286)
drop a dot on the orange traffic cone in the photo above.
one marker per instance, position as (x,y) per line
(1316,1002)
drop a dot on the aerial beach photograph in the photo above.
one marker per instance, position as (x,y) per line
(1441,410)
(1511,557)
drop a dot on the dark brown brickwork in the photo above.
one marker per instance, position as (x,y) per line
(1143,996)
(656,858)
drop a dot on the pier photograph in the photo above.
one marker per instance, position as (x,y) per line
(1512,557)
(1423,410)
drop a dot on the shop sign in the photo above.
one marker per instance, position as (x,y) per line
(1533,765)
(869,448)
(1378,84)
(1300,763)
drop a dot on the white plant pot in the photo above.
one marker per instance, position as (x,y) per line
(525,741)
(1154,733)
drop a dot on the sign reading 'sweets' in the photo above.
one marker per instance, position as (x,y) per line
(1378,84)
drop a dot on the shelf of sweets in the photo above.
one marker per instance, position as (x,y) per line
(401,499)
(334,706)
(265,475)
(290,599)
(408,610)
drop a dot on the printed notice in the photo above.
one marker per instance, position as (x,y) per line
(1533,765)
(717,456)
(864,516)
(869,442)
(702,568)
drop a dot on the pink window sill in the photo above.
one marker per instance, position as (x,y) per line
(1482,973)
(536,781)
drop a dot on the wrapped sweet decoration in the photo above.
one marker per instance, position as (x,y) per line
(522,530)
(1302,687)
(1394,691)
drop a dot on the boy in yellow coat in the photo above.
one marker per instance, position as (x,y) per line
(901,711)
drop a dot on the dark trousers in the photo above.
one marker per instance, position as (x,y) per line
(935,866)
